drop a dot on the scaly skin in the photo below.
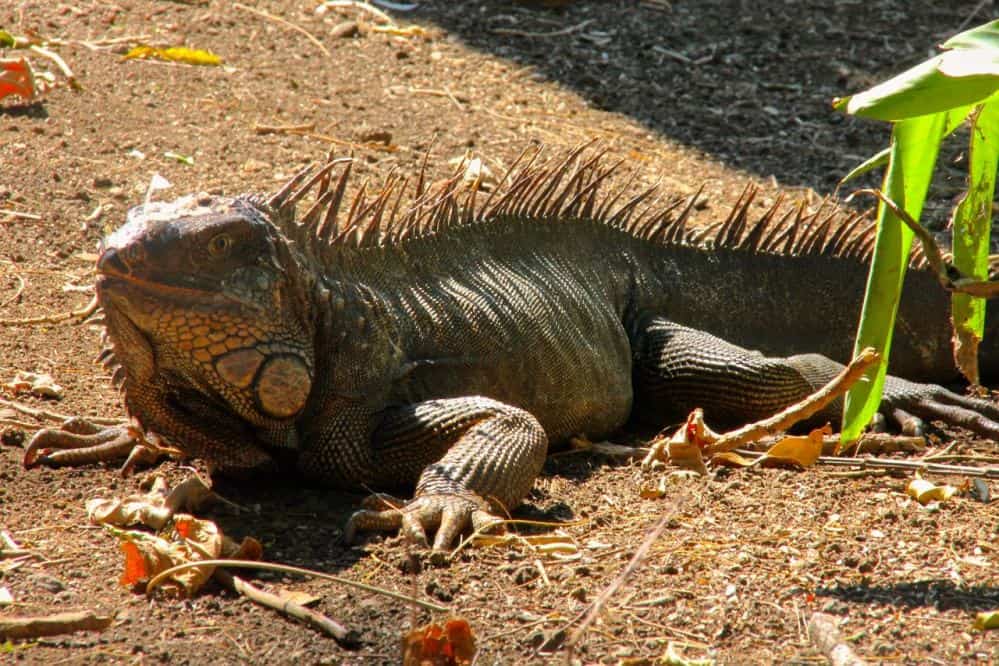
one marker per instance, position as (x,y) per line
(448,349)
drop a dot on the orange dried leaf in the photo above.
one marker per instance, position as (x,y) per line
(16,78)
(433,645)
(795,450)
(135,565)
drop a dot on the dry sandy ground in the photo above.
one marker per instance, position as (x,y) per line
(718,93)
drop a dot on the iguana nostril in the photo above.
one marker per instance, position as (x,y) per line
(111,262)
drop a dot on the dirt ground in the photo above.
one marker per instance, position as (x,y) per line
(717,92)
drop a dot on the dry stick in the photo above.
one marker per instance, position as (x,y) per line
(944,270)
(800,411)
(45,415)
(616,584)
(902,465)
(260,128)
(287,24)
(439,93)
(17,292)
(540,35)
(824,633)
(155,581)
(329,626)
(360,5)
(84,312)
(6,212)
(52,625)
(60,63)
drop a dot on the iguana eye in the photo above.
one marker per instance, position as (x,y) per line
(220,245)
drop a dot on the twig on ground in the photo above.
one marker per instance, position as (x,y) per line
(824,633)
(285,23)
(310,617)
(870,442)
(899,465)
(97,44)
(45,415)
(6,212)
(60,63)
(364,6)
(799,411)
(621,578)
(20,424)
(52,625)
(260,128)
(84,312)
(542,35)
(17,292)
(284,568)
(439,93)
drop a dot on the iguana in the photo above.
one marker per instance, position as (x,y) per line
(449,344)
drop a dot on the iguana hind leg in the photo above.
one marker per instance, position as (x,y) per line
(679,368)
(476,457)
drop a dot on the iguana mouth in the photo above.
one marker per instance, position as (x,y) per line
(111,268)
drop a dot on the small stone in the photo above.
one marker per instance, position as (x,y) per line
(12,437)
(344,30)
(525,574)
(377,136)
(48,583)
(102,182)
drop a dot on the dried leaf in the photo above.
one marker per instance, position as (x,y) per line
(174,54)
(987,620)
(153,509)
(924,491)
(192,540)
(37,384)
(16,78)
(731,459)
(433,645)
(795,450)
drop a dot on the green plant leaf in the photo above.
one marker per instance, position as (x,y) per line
(914,147)
(955,118)
(952,79)
(873,162)
(985,36)
(972,229)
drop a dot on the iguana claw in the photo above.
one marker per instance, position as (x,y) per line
(449,514)
(80,442)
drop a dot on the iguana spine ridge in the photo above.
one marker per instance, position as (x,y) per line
(569,189)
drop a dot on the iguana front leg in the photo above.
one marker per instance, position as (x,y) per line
(471,458)
(179,423)
(80,442)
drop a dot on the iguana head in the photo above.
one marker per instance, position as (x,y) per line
(206,284)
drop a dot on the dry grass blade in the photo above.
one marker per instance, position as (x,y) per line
(284,568)
(285,23)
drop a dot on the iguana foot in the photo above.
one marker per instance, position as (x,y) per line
(449,514)
(909,405)
(80,442)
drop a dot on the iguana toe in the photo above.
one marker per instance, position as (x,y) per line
(450,515)
(79,442)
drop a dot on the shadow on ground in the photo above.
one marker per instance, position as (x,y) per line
(748,83)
